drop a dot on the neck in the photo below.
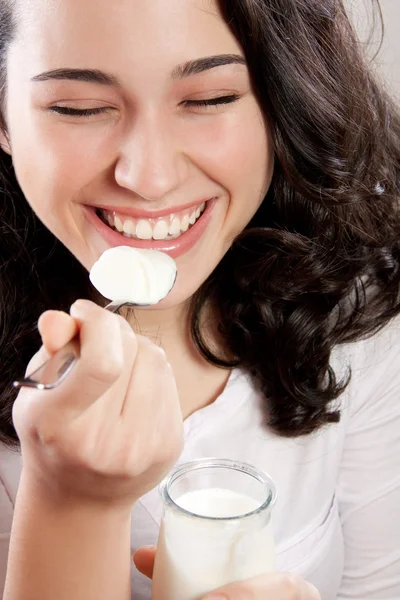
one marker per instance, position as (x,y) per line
(199,383)
(163,326)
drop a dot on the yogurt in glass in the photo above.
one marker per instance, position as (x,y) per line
(216,528)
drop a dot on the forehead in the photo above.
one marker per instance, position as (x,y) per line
(126,31)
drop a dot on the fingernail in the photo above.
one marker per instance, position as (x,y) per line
(75,309)
(78,307)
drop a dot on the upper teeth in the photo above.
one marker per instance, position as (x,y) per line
(168,227)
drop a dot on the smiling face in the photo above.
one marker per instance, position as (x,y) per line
(134,123)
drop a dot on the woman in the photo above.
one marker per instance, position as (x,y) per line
(249,141)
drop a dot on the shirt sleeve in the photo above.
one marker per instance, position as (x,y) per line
(6,516)
(369,481)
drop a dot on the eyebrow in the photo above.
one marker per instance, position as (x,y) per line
(86,75)
(187,69)
(194,67)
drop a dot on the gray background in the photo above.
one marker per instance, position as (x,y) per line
(388,60)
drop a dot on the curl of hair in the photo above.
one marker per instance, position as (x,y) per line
(317,266)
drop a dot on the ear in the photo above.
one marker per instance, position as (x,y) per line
(5,144)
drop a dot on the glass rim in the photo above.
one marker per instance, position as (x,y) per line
(214,463)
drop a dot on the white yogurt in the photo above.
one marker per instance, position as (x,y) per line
(196,556)
(139,276)
(217,503)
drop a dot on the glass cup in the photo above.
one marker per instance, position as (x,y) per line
(216,528)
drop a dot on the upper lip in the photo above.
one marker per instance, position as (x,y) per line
(146,214)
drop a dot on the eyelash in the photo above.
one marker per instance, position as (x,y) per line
(77,112)
(218,101)
(89,112)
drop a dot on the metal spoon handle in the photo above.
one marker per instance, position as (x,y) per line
(53,372)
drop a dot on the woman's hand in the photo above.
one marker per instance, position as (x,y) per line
(277,586)
(113,429)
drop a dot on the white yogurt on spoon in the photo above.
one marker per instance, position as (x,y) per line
(124,275)
(137,276)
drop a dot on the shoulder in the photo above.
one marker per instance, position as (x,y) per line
(374,365)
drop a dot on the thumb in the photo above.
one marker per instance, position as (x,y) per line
(144,560)
(56,329)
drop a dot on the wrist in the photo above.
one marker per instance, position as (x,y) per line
(84,551)
(54,499)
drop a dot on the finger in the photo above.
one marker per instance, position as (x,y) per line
(103,340)
(279,586)
(56,329)
(150,359)
(144,560)
(156,402)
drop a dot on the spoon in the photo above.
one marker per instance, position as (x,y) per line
(53,372)
(153,268)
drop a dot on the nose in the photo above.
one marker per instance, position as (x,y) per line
(151,164)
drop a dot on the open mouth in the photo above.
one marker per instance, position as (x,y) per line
(168,227)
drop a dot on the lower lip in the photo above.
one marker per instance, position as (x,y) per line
(174,248)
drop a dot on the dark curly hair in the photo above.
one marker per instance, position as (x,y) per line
(317,266)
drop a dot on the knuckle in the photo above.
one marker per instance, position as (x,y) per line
(110,321)
(159,357)
(80,308)
(154,353)
(103,367)
(126,330)
(124,323)
(103,354)
(106,369)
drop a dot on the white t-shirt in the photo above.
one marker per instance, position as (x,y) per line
(337,517)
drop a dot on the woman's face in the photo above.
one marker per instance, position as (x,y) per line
(134,123)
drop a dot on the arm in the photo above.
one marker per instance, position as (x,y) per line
(66,550)
(90,448)
(369,485)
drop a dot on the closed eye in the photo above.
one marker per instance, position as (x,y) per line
(78,112)
(218,101)
(90,112)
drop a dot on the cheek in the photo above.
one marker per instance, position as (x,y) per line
(53,165)
(237,153)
